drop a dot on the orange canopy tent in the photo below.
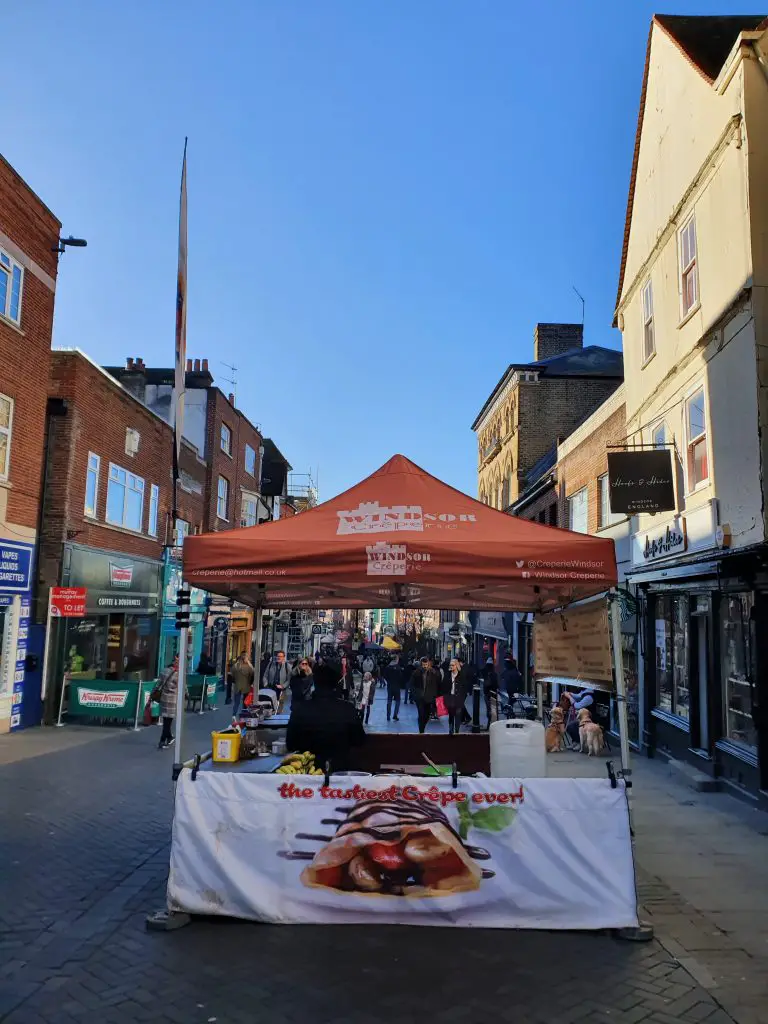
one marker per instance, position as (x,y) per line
(401,538)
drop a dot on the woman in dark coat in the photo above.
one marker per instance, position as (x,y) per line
(454,694)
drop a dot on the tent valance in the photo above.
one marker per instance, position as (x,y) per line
(398,539)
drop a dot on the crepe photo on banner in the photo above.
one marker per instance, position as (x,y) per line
(539,853)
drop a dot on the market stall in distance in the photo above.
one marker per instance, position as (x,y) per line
(560,849)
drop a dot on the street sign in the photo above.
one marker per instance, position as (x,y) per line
(220,625)
(317,629)
(68,602)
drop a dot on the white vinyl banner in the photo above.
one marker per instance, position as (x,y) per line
(496,853)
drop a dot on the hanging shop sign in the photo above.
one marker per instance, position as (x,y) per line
(68,602)
(641,481)
(115,583)
(15,567)
(574,643)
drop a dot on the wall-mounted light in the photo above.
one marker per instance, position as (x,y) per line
(77,243)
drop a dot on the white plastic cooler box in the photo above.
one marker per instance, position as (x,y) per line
(518,749)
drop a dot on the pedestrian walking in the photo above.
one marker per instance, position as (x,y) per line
(511,678)
(425,687)
(368,664)
(242,681)
(490,691)
(301,680)
(167,692)
(366,694)
(395,680)
(278,677)
(454,694)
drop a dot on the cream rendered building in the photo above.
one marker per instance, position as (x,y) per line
(692,311)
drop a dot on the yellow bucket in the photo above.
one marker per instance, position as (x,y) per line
(226,747)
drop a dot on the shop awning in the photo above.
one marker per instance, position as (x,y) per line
(401,538)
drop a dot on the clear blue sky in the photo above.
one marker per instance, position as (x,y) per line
(384,197)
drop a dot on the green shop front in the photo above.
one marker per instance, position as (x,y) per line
(169,634)
(117,638)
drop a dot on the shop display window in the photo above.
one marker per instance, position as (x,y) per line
(86,647)
(673,654)
(737,669)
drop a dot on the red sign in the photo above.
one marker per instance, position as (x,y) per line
(68,602)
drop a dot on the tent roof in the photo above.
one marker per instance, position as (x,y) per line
(401,538)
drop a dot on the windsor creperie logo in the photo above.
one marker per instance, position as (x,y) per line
(393,559)
(371,517)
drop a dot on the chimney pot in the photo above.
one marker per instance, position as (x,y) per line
(189,366)
(205,365)
(231,399)
(197,366)
(129,363)
(139,363)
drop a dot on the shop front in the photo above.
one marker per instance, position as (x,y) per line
(706,611)
(117,638)
(16,681)
(169,633)
(228,633)
(491,638)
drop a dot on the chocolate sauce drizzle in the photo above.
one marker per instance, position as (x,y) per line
(401,812)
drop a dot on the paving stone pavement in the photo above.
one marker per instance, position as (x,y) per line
(84,853)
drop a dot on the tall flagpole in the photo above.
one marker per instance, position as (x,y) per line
(168,919)
(182,615)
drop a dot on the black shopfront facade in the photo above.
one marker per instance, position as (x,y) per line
(705,694)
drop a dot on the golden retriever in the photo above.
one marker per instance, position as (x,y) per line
(555,730)
(590,733)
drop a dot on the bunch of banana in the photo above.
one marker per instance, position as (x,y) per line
(299,764)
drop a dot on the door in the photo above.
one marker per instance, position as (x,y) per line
(32,708)
(702,665)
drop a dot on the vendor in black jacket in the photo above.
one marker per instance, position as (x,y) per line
(326,725)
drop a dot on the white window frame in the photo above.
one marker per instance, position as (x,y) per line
(222,498)
(690,442)
(8,433)
(661,425)
(94,469)
(689,268)
(129,476)
(252,451)
(227,449)
(649,323)
(582,491)
(8,268)
(604,515)
(181,530)
(247,500)
(154,510)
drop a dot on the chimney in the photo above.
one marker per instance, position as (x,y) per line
(134,377)
(555,339)
(231,399)
(205,366)
(189,366)
(197,366)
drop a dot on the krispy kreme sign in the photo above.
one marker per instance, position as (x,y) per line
(112,699)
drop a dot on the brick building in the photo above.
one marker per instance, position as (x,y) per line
(108,504)
(530,409)
(29,238)
(535,403)
(229,476)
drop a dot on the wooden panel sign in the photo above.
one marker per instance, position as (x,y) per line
(574,643)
